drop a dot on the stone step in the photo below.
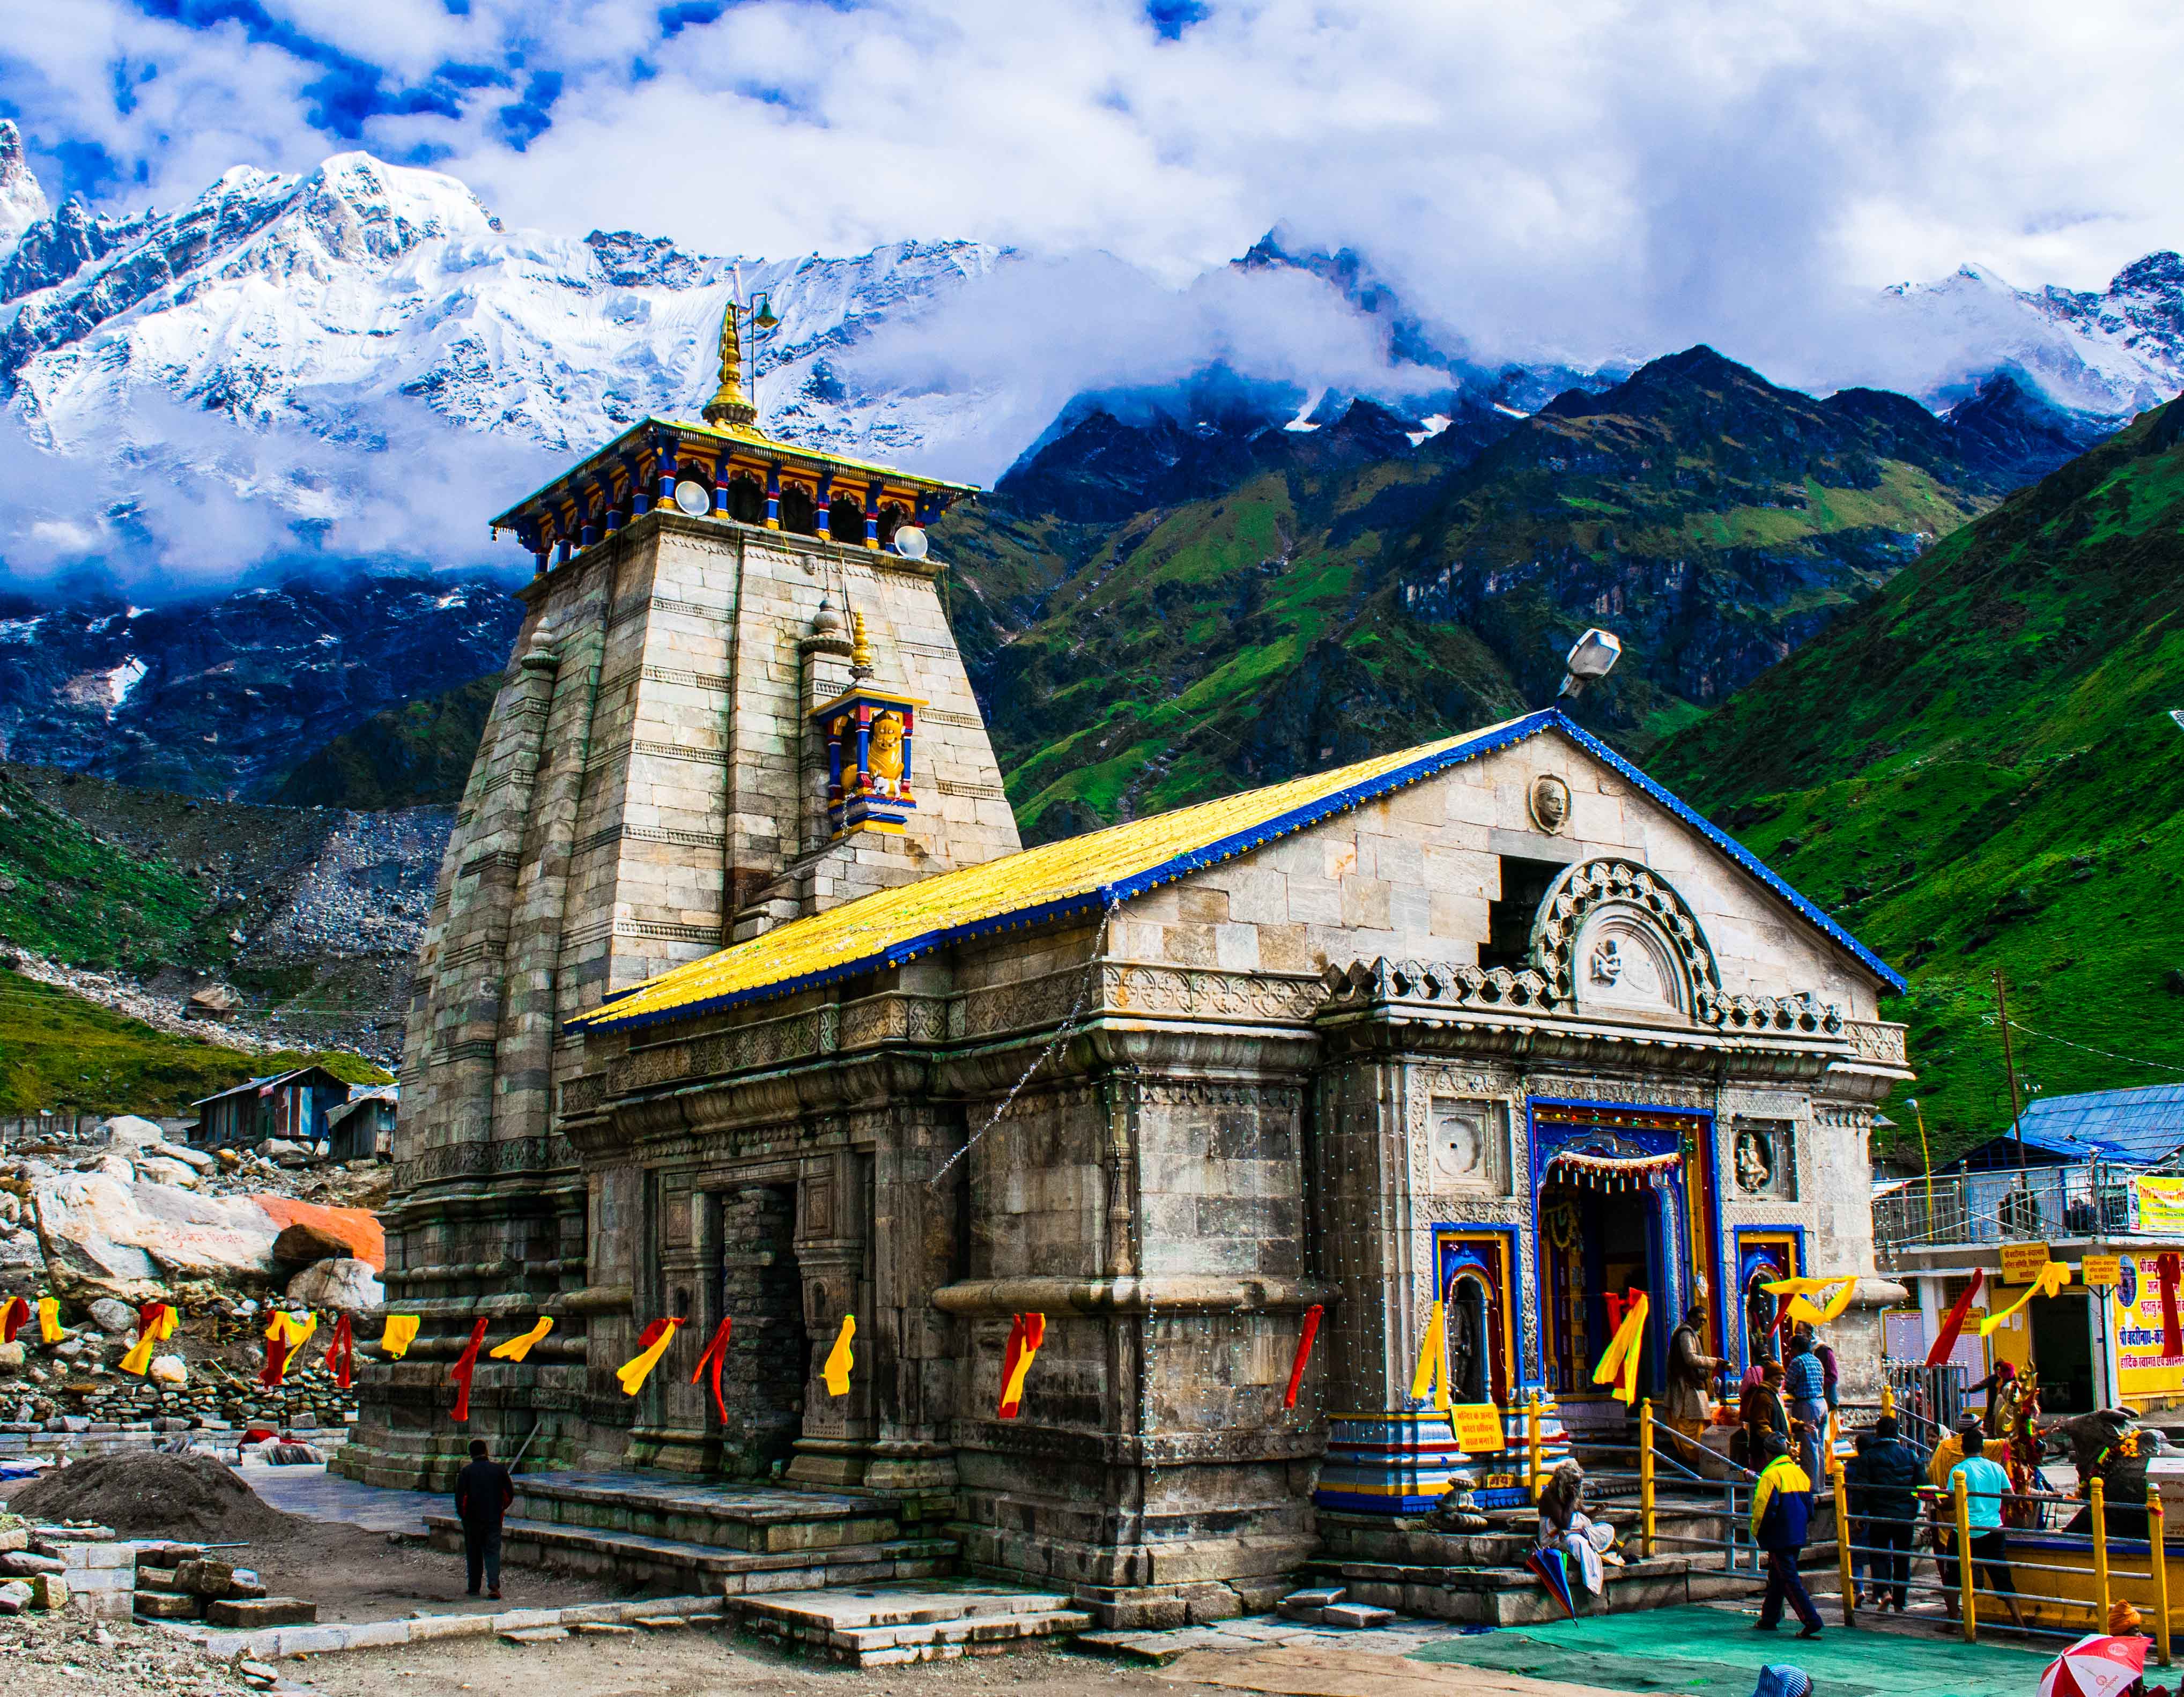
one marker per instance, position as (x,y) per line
(884,1626)
(639,1558)
(1509,1597)
(761,1519)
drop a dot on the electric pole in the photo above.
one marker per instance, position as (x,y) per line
(2009,1067)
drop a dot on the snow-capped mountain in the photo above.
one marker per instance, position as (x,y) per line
(305,300)
(22,202)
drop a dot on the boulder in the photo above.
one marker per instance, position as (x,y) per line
(48,1591)
(282,1153)
(106,1234)
(169,1370)
(113,1318)
(14,1597)
(201,1159)
(340,1283)
(211,1002)
(13,1357)
(129,1132)
(306,1244)
(158,1169)
(346,1231)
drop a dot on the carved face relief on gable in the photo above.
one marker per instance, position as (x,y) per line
(1627,966)
(1550,802)
(1470,1145)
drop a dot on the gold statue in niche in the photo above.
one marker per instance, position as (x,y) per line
(886,757)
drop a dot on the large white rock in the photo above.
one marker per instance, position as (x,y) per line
(106,1234)
(157,1170)
(128,1131)
(169,1370)
(345,1285)
(113,1318)
(201,1159)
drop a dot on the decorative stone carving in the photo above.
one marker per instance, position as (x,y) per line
(1550,802)
(1470,1147)
(1763,1156)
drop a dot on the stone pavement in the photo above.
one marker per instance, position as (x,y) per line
(1254,1633)
(315,1494)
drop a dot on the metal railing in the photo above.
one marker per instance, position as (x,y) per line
(2095,1199)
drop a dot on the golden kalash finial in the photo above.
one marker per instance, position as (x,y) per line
(728,408)
(860,650)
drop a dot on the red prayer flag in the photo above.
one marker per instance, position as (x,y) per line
(716,1357)
(13,1318)
(276,1362)
(465,1364)
(2172,1335)
(1952,1323)
(341,1357)
(1304,1349)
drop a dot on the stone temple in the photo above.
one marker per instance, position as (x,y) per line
(741,998)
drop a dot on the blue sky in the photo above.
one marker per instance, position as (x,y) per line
(1588,168)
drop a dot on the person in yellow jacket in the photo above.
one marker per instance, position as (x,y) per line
(1781,1511)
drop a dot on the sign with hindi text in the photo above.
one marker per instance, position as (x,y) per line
(1478,1427)
(2102,1273)
(2160,1205)
(2021,1262)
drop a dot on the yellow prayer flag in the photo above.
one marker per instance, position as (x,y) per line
(291,1331)
(515,1348)
(634,1372)
(1431,1372)
(840,1359)
(138,1360)
(1844,1286)
(400,1333)
(49,1318)
(2053,1278)
(1620,1361)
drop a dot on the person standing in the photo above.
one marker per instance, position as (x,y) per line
(1781,1513)
(1691,1370)
(1986,1485)
(483,1494)
(1947,1454)
(1805,1381)
(1884,1495)
(1759,1411)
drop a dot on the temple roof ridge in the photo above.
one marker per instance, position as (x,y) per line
(1085,876)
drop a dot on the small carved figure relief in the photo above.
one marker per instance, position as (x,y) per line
(1762,1156)
(1550,802)
(1606,962)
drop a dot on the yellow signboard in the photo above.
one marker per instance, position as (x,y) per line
(2161,1206)
(1478,1427)
(2103,1273)
(2134,1310)
(2021,1262)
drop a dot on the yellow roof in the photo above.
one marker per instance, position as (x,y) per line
(1079,875)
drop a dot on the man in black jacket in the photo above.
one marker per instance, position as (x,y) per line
(482,1495)
(1884,1480)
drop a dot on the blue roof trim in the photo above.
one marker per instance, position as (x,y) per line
(1730,846)
(1104,896)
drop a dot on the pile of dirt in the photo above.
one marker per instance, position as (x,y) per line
(192,1499)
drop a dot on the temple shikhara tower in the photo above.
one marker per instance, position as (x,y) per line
(741,999)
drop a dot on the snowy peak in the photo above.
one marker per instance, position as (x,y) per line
(22,201)
(363,209)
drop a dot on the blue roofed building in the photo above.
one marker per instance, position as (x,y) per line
(2100,1174)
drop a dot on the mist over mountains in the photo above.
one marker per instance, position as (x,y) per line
(359,361)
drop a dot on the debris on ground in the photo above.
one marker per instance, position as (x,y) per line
(145,1492)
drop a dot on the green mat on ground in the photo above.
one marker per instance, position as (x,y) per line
(1715,1653)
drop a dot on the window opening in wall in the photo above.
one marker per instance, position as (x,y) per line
(845,520)
(746,499)
(769,1351)
(1509,920)
(798,511)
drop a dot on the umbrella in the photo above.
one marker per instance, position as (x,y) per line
(2095,1667)
(1549,1568)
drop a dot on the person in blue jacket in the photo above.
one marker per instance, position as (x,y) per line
(1781,1512)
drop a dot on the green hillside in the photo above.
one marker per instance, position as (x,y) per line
(414,755)
(1354,596)
(1980,769)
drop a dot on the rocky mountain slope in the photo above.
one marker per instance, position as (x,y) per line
(223,697)
(1338,591)
(1979,768)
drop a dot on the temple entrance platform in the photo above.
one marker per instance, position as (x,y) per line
(642,1528)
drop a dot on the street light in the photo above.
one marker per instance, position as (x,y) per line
(1593,655)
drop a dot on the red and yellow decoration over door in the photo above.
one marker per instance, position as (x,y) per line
(1619,1362)
(651,1344)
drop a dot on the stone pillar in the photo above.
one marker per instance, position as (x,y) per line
(774,496)
(833,1212)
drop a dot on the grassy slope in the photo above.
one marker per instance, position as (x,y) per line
(1243,638)
(1979,771)
(67,894)
(58,1051)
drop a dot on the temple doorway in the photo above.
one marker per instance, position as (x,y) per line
(769,1351)
(1597,1240)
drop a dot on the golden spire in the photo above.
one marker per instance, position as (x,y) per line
(860,650)
(728,408)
